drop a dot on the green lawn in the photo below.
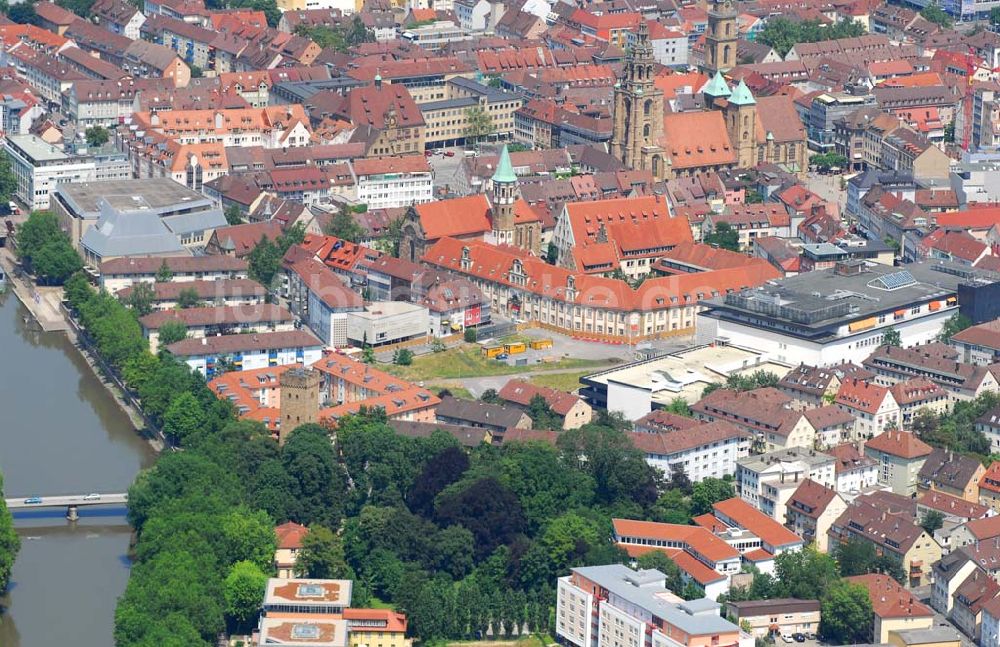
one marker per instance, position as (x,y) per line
(457,391)
(563,381)
(468,361)
(376,603)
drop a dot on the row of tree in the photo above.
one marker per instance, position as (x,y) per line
(782,33)
(10,543)
(45,249)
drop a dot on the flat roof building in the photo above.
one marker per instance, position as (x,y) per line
(831,316)
(637,388)
(296,595)
(39,167)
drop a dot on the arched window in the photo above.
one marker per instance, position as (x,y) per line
(645,131)
(746,121)
(729,28)
(725,54)
(656,166)
(647,107)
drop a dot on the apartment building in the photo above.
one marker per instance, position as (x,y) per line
(764,412)
(811,511)
(900,456)
(392,182)
(245,352)
(699,450)
(768,481)
(121,273)
(615,606)
(873,407)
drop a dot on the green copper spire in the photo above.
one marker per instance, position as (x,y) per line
(742,96)
(505,170)
(716,87)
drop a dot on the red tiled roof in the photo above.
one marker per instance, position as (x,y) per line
(522,392)
(770,531)
(861,395)
(899,443)
(455,217)
(290,535)
(889,599)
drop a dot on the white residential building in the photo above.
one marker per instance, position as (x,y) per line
(391,182)
(768,481)
(700,449)
(246,352)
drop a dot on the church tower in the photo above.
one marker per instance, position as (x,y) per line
(505,194)
(638,108)
(720,37)
(741,122)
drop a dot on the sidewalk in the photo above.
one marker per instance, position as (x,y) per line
(43,302)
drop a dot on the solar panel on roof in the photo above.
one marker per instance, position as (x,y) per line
(896,280)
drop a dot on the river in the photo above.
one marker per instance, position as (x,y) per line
(61,432)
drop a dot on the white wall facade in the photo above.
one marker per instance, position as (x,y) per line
(847,348)
(573,614)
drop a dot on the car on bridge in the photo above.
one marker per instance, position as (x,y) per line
(32,500)
(92,497)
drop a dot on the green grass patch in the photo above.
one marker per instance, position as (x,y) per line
(563,381)
(376,603)
(457,391)
(468,361)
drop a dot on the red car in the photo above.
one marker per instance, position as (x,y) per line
(449,153)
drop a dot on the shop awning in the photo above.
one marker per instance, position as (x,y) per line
(864,324)
(900,313)
(935,305)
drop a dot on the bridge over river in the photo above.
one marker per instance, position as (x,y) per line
(72,502)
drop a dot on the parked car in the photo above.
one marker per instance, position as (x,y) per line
(799,638)
(502,356)
(92,497)
(787,638)
(428,153)
(33,500)
(449,153)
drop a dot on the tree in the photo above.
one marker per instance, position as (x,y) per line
(97,136)
(233,215)
(485,507)
(936,15)
(931,521)
(264,261)
(244,591)
(552,251)
(183,418)
(469,336)
(56,261)
(322,555)
(782,34)
(828,161)
(140,298)
(708,492)
(188,298)
(724,236)
(344,226)
(319,487)
(490,396)
(846,614)
(23,13)
(949,129)
(891,337)
(478,124)
(955,324)
(542,415)
(8,181)
(806,574)
(164,274)
(680,407)
(10,543)
(45,249)
(855,557)
(658,560)
(172,331)
(402,357)
(752,196)
(619,470)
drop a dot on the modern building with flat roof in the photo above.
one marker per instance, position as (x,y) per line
(387,322)
(80,205)
(40,167)
(832,316)
(636,389)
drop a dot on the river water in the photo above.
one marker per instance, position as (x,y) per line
(61,432)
